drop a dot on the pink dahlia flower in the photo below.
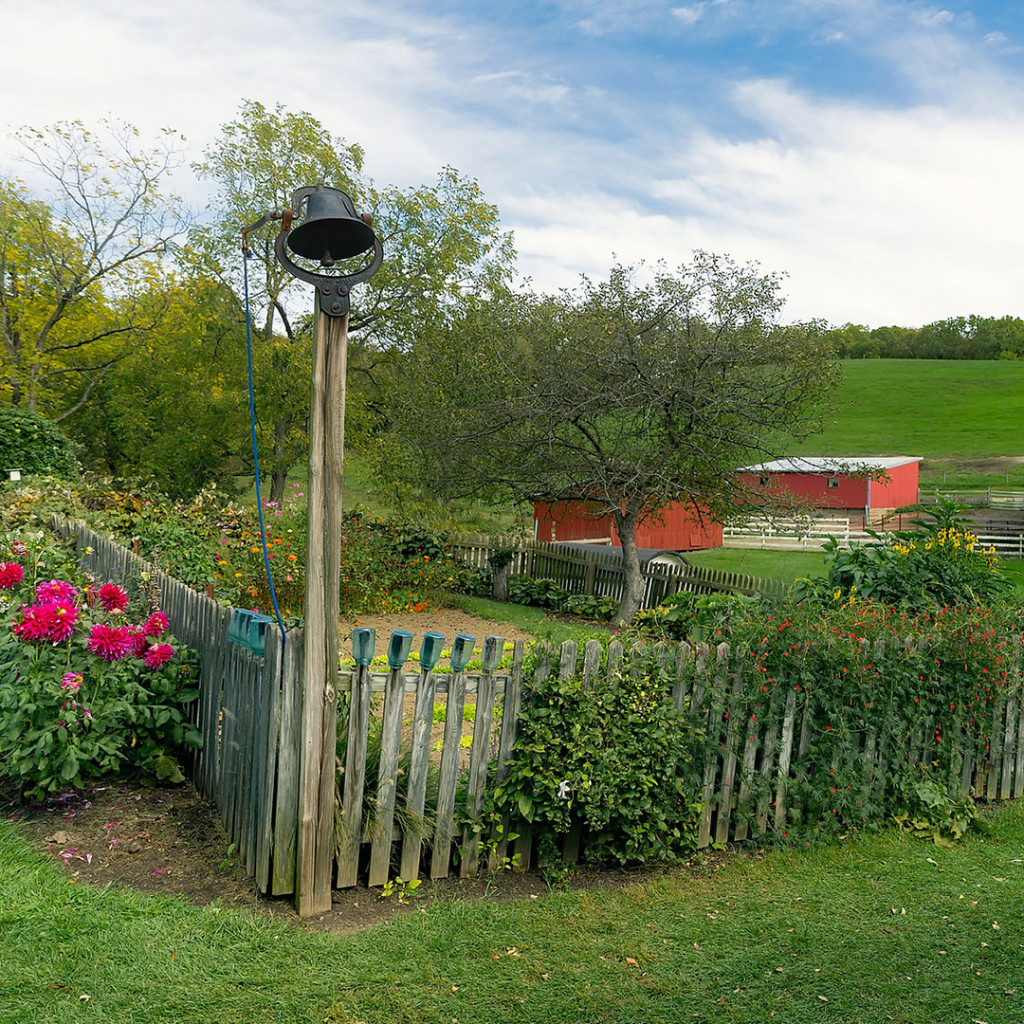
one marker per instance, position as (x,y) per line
(158,654)
(71,681)
(19,547)
(111,643)
(37,622)
(113,598)
(64,616)
(140,642)
(51,591)
(155,624)
(11,574)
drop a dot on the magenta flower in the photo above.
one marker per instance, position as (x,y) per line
(155,624)
(64,616)
(113,598)
(37,622)
(158,654)
(11,574)
(71,681)
(111,643)
(52,591)
(139,642)
(19,547)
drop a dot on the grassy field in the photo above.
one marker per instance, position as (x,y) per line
(879,928)
(939,409)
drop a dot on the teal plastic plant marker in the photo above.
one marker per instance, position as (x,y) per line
(257,639)
(462,651)
(493,648)
(398,649)
(430,651)
(364,641)
(238,627)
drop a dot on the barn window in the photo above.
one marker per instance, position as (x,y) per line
(765,480)
(832,481)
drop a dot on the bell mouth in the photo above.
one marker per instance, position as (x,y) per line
(329,240)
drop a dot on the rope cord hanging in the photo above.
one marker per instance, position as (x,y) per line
(255,451)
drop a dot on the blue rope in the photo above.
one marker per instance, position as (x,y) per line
(255,452)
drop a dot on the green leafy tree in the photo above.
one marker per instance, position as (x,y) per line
(630,393)
(34,445)
(440,241)
(78,261)
(175,411)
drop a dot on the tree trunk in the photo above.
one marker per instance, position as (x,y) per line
(278,481)
(633,591)
(499,582)
(279,474)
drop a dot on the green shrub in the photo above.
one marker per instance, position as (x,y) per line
(590,606)
(922,689)
(35,445)
(694,617)
(616,759)
(543,593)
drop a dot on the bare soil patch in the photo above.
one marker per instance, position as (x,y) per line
(169,841)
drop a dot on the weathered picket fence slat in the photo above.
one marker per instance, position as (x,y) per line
(598,571)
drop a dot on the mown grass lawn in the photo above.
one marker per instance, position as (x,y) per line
(874,929)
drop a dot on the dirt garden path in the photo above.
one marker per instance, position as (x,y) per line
(448,621)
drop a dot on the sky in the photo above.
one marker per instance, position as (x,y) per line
(869,150)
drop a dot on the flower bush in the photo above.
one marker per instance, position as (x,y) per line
(84,690)
(914,691)
(939,564)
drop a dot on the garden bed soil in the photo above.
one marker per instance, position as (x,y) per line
(168,840)
(447,621)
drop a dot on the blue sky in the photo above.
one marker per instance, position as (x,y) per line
(872,150)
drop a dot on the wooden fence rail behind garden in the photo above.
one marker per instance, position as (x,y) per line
(598,571)
(247,711)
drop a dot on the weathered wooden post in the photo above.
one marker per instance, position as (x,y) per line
(330,231)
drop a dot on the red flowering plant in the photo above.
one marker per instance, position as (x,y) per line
(86,689)
(880,708)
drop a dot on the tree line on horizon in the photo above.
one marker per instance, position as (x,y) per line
(956,337)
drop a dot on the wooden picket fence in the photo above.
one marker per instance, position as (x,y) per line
(747,778)
(598,571)
(249,713)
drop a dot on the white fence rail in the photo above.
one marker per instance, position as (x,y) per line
(989,497)
(793,534)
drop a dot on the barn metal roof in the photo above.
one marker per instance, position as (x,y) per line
(831,464)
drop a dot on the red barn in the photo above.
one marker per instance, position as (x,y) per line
(676,527)
(862,488)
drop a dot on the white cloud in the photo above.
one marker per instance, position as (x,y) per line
(689,15)
(880,213)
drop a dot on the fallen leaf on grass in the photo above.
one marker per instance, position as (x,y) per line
(631,961)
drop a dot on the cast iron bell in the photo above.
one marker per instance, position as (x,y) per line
(331,229)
